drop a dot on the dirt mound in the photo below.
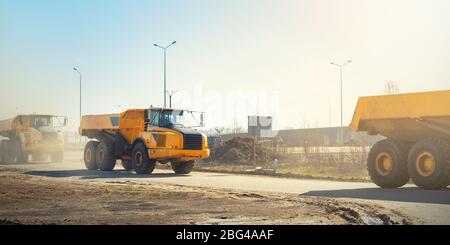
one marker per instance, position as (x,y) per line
(240,150)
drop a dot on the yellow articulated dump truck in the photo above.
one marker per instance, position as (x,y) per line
(37,135)
(417,127)
(142,137)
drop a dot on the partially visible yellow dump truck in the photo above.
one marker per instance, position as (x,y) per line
(37,135)
(417,127)
(142,137)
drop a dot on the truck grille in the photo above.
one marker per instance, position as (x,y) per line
(49,137)
(192,141)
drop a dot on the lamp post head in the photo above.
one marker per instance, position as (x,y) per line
(174,42)
(75,69)
(171,92)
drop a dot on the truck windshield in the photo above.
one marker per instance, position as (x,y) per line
(47,121)
(169,119)
(172,118)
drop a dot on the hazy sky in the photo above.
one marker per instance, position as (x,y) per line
(227,52)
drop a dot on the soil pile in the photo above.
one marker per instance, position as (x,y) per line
(240,150)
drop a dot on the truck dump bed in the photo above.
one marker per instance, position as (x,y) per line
(6,126)
(99,126)
(405,117)
(100,122)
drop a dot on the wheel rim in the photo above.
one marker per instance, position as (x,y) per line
(384,164)
(101,155)
(138,158)
(425,164)
(88,155)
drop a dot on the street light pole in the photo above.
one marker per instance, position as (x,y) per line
(165,83)
(341,66)
(79,73)
(165,87)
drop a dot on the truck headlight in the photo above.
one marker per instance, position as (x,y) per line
(204,141)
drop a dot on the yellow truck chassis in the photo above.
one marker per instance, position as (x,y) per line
(417,127)
(139,143)
(23,138)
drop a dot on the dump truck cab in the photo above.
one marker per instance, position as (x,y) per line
(37,135)
(142,137)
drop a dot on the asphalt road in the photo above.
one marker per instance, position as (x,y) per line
(432,207)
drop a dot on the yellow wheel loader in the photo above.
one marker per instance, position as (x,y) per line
(417,127)
(35,135)
(142,137)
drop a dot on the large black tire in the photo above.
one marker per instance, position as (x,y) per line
(57,157)
(18,155)
(2,151)
(22,157)
(9,154)
(387,163)
(13,151)
(89,155)
(182,167)
(105,157)
(140,161)
(429,164)
(126,164)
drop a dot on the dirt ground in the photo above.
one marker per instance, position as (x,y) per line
(29,199)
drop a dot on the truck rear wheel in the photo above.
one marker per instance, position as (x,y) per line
(89,155)
(9,151)
(182,167)
(2,151)
(387,163)
(429,164)
(140,161)
(23,157)
(17,154)
(104,156)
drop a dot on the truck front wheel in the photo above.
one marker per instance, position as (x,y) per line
(89,155)
(104,156)
(429,164)
(23,157)
(2,151)
(182,167)
(387,163)
(140,161)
